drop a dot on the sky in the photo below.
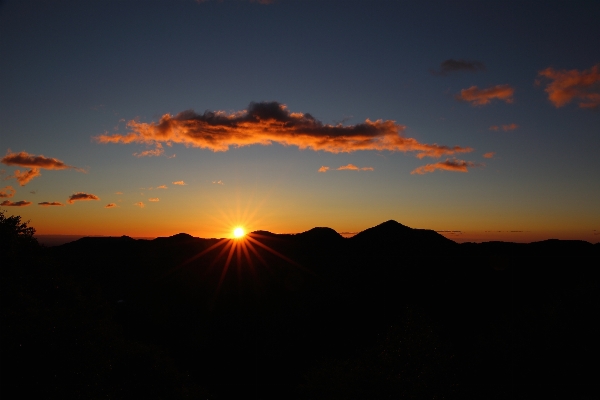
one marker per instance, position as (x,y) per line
(479,120)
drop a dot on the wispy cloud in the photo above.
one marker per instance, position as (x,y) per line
(111,205)
(154,199)
(9,203)
(352,167)
(162,187)
(448,165)
(480,97)
(80,196)
(271,122)
(565,86)
(451,65)
(35,163)
(118,192)
(219,182)
(323,169)
(181,183)
(157,151)
(489,155)
(48,203)
(139,204)
(24,159)
(505,128)
(24,177)
(7,192)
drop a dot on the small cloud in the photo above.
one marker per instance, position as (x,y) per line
(565,86)
(47,204)
(80,196)
(154,199)
(118,192)
(181,183)
(489,155)
(33,192)
(451,65)
(480,97)
(24,177)
(219,182)
(25,159)
(162,187)
(7,192)
(111,205)
(21,203)
(448,165)
(505,128)
(139,204)
(323,169)
(352,167)
(158,151)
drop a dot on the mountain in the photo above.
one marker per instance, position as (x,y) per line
(393,312)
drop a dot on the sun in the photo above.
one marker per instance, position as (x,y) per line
(238,232)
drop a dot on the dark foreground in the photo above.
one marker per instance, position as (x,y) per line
(392,313)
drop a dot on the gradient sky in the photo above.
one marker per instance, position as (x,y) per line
(480,118)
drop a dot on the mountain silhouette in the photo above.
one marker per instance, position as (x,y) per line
(392,312)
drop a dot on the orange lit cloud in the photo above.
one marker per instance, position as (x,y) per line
(139,204)
(480,97)
(323,169)
(118,192)
(24,159)
(47,204)
(162,187)
(219,182)
(80,196)
(451,65)
(271,122)
(448,165)
(149,153)
(181,183)
(21,203)
(489,155)
(110,205)
(505,128)
(154,199)
(566,86)
(24,177)
(352,167)
(7,192)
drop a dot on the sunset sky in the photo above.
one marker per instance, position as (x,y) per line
(150,118)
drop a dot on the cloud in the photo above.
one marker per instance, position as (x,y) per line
(448,165)
(7,192)
(118,192)
(162,187)
(452,65)
(47,204)
(24,159)
(154,199)
(505,128)
(80,196)
(219,182)
(480,97)
(158,151)
(24,177)
(352,167)
(181,183)
(139,204)
(21,203)
(111,205)
(565,86)
(323,169)
(271,122)
(489,155)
